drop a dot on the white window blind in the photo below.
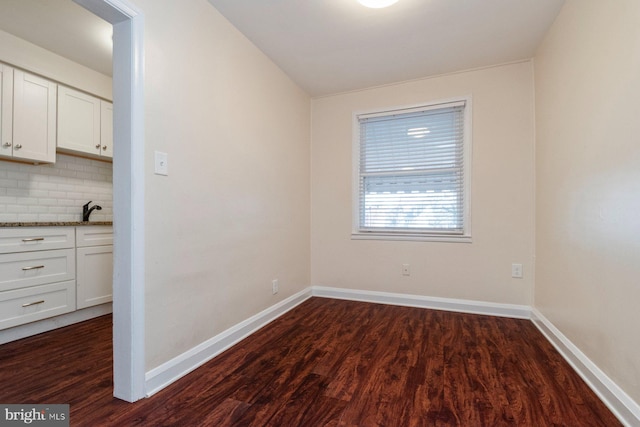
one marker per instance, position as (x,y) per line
(411,170)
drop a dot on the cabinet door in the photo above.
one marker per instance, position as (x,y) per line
(95,275)
(106,128)
(78,121)
(34,118)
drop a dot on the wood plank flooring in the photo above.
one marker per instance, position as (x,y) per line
(325,363)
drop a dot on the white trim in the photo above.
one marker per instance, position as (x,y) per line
(417,237)
(165,374)
(46,325)
(434,303)
(418,108)
(619,402)
(128,195)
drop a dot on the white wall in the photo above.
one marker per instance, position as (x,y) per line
(502,194)
(233,213)
(587,75)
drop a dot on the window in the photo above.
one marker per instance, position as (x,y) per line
(411,174)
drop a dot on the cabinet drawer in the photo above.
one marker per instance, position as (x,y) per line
(94,235)
(36,303)
(27,239)
(26,269)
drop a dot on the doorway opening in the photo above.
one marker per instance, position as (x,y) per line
(128,194)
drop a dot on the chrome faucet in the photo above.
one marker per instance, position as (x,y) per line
(86,211)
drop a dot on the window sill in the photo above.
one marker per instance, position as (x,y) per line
(411,237)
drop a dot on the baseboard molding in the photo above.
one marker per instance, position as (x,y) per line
(46,325)
(165,374)
(623,407)
(435,303)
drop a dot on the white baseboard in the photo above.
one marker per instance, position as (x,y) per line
(34,328)
(622,406)
(165,374)
(435,303)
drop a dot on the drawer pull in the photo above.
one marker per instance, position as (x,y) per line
(33,239)
(35,267)
(33,303)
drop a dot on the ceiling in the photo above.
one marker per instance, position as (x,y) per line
(332,46)
(327,46)
(60,26)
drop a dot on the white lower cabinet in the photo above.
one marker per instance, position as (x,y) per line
(37,274)
(33,303)
(24,269)
(31,239)
(95,277)
(94,255)
(49,271)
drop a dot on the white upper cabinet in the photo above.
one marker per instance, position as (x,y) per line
(106,128)
(6,111)
(28,117)
(84,124)
(78,121)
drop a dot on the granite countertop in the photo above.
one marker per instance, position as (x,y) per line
(53,224)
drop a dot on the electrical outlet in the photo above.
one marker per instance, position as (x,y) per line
(406,271)
(274,286)
(516,271)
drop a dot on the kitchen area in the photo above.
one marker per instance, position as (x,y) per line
(56,187)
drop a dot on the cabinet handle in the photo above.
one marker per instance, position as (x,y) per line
(104,147)
(18,146)
(35,267)
(33,239)
(98,146)
(6,144)
(33,303)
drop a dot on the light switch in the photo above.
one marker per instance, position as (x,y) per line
(162,167)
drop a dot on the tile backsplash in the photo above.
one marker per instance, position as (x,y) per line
(42,193)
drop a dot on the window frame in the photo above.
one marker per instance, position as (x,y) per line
(357,233)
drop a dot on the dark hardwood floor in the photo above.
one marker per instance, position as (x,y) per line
(325,363)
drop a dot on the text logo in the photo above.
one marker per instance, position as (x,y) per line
(34,415)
